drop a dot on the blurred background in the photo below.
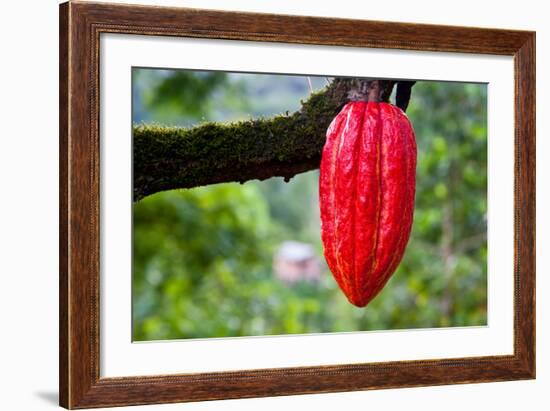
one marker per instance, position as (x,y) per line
(239,260)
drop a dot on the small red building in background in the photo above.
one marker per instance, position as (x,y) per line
(295,261)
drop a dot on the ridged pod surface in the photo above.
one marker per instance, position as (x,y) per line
(366,193)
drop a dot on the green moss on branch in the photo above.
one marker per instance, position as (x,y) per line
(168,158)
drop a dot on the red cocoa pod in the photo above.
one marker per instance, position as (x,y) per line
(366,193)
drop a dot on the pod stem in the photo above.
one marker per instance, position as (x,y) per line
(380,91)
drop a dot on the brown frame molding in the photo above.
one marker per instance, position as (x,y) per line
(81,24)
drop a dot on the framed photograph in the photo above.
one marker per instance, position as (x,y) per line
(259,205)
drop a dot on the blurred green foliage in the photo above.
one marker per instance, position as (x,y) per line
(203,258)
(182,97)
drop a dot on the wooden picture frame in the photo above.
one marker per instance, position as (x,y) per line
(81,24)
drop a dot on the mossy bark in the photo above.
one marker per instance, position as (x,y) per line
(285,145)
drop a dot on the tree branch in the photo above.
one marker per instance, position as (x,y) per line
(285,145)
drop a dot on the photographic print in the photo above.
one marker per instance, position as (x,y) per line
(376,218)
(237,198)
